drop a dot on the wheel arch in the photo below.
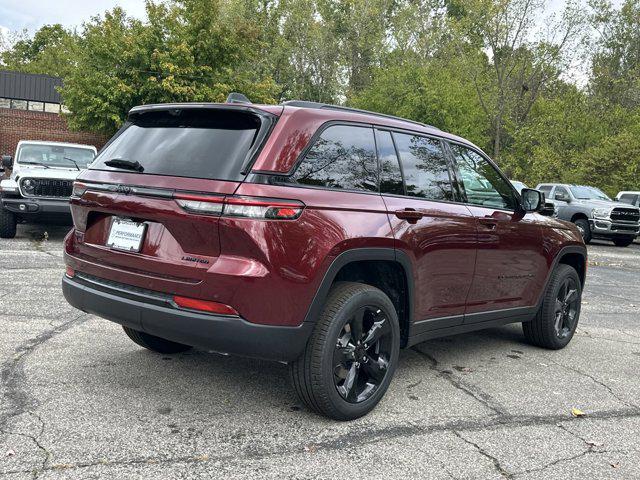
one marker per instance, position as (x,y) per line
(576,260)
(578,215)
(384,268)
(572,255)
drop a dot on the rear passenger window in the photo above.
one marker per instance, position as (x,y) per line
(343,157)
(425,168)
(390,175)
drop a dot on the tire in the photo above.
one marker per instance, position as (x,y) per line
(318,379)
(7,223)
(153,343)
(585,229)
(623,242)
(542,331)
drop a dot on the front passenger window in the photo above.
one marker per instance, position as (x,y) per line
(481,182)
(561,193)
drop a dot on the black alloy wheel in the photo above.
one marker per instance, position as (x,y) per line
(556,321)
(352,354)
(567,303)
(362,354)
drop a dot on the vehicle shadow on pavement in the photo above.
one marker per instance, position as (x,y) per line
(213,384)
(52,232)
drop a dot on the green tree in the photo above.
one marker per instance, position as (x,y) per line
(184,51)
(507,63)
(50,51)
(616,62)
(435,93)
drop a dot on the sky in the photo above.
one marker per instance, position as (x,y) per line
(16,15)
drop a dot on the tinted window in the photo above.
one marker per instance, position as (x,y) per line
(390,175)
(481,182)
(343,157)
(425,168)
(186,143)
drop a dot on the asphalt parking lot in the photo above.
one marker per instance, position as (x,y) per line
(78,399)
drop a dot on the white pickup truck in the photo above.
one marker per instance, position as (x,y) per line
(40,184)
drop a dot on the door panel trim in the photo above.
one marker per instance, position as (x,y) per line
(464,328)
(435,323)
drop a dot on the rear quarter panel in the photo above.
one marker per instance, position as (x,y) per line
(293,256)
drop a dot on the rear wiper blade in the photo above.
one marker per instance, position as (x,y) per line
(126,164)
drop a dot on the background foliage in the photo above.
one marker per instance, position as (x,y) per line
(550,98)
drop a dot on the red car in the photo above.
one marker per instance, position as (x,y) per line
(317,235)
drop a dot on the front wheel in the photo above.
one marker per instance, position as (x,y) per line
(584,228)
(352,354)
(7,223)
(556,321)
(623,242)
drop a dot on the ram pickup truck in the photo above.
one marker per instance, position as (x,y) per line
(593,212)
(40,183)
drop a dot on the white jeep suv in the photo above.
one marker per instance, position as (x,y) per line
(40,183)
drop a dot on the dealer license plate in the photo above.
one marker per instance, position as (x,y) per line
(126,235)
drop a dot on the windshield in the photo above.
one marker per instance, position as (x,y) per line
(588,193)
(54,155)
(197,143)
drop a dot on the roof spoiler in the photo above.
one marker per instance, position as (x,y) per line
(237,98)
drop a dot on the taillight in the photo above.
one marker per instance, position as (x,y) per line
(268,208)
(246,207)
(78,189)
(202,204)
(204,306)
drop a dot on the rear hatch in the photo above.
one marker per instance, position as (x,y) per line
(130,224)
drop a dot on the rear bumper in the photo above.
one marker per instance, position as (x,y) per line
(152,314)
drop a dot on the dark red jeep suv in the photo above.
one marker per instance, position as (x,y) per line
(317,235)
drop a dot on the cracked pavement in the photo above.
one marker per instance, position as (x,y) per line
(78,399)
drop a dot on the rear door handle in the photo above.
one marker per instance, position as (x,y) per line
(409,214)
(490,223)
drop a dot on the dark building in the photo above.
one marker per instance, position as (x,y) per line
(30,108)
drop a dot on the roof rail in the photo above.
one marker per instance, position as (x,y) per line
(328,106)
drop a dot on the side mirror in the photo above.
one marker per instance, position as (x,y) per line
(7,161)
(532,200)
(563,197)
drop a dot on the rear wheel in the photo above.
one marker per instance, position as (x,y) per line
(153,343)
(584,228)
(556,321)
(7,223)
(623,242)
(352,354)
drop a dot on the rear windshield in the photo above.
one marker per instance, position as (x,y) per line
(198,143)
(54,155)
